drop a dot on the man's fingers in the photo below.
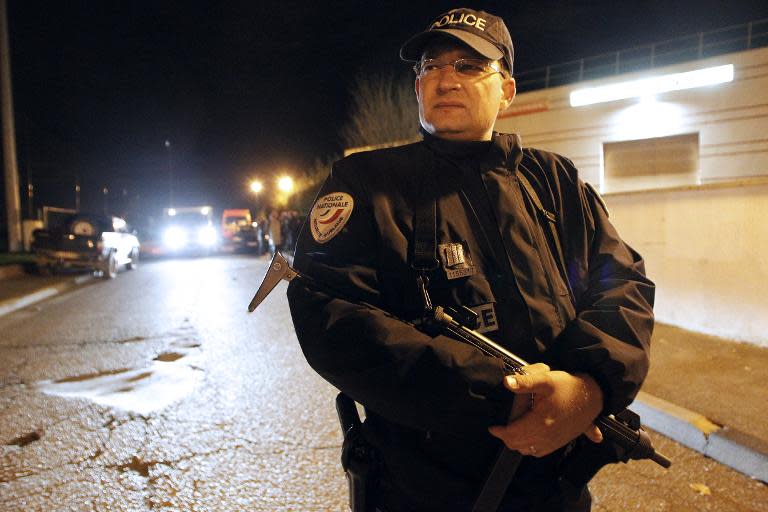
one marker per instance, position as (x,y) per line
(523,382)
(519,438)
(536,368)
(515,436)
(532,383)
(521,405)
(593,434)
(497,431)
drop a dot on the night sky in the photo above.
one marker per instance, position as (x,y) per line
(250,88)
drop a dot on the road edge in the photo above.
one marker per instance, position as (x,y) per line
(11,305)
(738,450)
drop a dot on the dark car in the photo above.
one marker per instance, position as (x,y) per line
(239,232)
(87,241)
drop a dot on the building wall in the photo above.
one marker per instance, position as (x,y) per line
(731,119)
(705,245)
(705,248)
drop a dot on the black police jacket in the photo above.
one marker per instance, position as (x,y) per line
(429,399)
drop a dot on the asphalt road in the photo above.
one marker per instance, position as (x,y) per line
(158,391)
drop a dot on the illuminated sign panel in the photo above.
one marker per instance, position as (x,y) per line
(654,85)
(521,109)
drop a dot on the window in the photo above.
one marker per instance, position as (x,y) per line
(651,163)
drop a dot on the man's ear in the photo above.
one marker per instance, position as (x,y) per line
(508,91)
(416,87)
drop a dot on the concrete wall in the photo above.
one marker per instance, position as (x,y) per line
(706,245)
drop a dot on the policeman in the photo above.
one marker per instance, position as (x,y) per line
(518,238)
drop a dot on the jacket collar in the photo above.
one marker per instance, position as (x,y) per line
(503,149)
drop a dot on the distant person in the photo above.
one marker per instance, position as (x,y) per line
(275,232)
(291,224)
(295,223)
(285,229)
(510,232)
(262,232)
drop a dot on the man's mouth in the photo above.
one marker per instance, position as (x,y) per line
(449,105)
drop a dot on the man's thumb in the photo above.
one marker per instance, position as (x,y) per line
(517,383)
(530,383)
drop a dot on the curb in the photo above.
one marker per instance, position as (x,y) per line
(733,448)
(8,271)
(11,305)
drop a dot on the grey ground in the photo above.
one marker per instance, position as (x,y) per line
(247,424)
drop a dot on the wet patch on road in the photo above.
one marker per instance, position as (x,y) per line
(132,339)
(25,439)
(90,376)
(137,466)
(169,357)
(170,376)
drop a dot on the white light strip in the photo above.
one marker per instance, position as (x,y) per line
(655,85)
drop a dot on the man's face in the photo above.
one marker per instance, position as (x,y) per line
(455,107)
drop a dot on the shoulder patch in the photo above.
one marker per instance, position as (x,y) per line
(598,197)
(329,215)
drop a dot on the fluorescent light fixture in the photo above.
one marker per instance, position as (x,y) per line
(654,85)
(646,118)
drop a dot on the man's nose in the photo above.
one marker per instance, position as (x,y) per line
(448,78)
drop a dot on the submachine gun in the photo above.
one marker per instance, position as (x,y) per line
(627,439)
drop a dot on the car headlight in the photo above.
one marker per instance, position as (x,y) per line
(207,236)
(175,238)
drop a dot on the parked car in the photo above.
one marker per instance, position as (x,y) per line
(239,231)
(88,241)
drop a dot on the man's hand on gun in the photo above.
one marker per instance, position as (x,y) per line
(564,406)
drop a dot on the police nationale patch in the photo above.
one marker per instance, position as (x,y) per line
(329,215)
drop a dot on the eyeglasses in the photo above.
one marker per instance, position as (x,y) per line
(464,67)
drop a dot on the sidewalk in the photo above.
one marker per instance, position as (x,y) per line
(19,290)
(711,395)
(706,393)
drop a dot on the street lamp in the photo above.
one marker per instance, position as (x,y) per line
(285,184)
(256,186)
(170,173)
(105,191)
(285,187)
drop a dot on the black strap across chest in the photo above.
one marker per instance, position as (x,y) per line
(424,257)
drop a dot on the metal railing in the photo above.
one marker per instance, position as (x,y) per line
(672,51)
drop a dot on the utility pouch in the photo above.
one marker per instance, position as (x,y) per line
(358,458)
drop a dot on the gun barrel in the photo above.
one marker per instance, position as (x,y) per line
(661,460)
(635,443)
